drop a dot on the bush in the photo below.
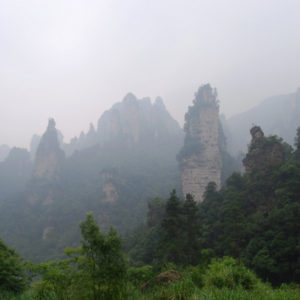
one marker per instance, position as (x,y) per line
(140,275)
(12,273)
(227,273)
(180,290)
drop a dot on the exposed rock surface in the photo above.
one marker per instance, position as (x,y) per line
(49,156)
(162,279)
(34,143)
(200,158)
(137,139)
(131,122)
(108,187)
(135,120)
(263,152)
(46,232)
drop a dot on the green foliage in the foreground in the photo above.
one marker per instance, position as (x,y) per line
(96,270)
(12,277)
(222,279)
(254,218)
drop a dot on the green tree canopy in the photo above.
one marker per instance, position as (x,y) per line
(103,260)
(12,276)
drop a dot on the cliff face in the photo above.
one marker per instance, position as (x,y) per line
(108,187)
(49,156)
(135,121)
(15,172)
(200,158)
(47,171)
(131,122)
(263,152)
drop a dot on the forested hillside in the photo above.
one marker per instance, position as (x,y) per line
(254,218)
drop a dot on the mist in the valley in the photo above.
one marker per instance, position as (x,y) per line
(149,149)
(72,60)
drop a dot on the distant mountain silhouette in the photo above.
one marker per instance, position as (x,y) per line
(112,170)
(278,115)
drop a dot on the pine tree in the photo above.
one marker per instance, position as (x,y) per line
(170,247)
(191,228)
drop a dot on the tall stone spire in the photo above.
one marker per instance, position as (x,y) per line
(49,156)
(200,158)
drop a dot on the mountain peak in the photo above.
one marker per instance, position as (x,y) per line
(48,155)
(51,124)
(129,98)
(206,95)
(159,102)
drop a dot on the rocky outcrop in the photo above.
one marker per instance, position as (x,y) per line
(130,123)
(49,156)
(136,120)
(46,232)
(34,143)
(200,158)
(108,187)
(164,278)
(264,152)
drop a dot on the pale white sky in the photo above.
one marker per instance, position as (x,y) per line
(73,59)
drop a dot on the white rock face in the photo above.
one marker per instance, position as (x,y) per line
(201,168)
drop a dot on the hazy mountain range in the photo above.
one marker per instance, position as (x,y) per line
(277,115)
(112,170)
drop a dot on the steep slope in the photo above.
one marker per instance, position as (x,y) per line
(49,156)
(263,153)
(131,122)
(15,172)
(48,167)
(200,158)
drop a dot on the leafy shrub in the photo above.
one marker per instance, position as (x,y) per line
(179,290)
(227,273)
(140,275)
(12,273)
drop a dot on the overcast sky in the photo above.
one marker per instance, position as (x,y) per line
(73,59)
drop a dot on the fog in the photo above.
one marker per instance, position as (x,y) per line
(72,60)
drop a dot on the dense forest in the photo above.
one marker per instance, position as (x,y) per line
(235,243)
